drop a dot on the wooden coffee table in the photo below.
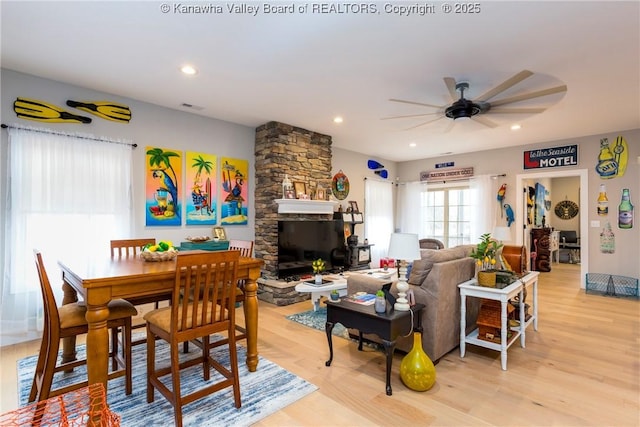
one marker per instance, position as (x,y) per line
(388,326)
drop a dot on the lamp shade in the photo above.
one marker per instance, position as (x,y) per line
(502,234)
(404,246)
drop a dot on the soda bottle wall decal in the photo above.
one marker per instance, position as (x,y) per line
(625,211)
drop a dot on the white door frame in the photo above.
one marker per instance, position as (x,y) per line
(584,211)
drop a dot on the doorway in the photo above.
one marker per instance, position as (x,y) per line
(584,214)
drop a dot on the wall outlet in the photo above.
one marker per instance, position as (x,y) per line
(595,224)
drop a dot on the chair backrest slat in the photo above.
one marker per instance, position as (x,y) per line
(204,281)
(126,248)
(244,246)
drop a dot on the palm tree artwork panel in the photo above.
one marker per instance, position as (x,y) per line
(162,189)
(201,189)
(235,194)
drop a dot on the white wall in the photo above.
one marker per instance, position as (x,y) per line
(626,260)
(150,125)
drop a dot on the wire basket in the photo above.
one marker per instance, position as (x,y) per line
(158,256)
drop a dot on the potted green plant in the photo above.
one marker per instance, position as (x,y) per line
(380,305)
(485,254)
(335,296)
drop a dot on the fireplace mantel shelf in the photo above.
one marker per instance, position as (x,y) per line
(300,206)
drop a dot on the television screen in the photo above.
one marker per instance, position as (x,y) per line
(302,242)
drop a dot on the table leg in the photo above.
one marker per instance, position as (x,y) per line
(389,346)
(251,318)
(523,320)
(328,327)
(503,335)
(68,344)
(97,343)
(315,299)
(463,323)
(535,304)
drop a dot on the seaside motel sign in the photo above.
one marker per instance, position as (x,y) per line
(551,157)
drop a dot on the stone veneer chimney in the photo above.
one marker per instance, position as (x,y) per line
(281,150)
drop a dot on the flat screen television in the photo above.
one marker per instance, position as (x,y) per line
(302,242)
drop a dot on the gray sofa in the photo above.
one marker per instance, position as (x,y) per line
(434,280)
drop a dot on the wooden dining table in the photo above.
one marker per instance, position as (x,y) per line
(100,279)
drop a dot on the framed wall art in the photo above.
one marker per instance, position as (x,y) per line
(201,197)
(300,188)
(235,177)
(162,189)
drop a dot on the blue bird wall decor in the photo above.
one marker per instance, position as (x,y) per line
(510,216)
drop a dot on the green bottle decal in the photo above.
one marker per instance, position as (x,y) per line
(625,211)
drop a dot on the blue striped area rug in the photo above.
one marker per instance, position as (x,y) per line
(263,392)
(317,320)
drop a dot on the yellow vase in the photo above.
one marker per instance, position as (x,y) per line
(416,370)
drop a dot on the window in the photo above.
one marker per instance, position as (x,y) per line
(68,195)
(447,214)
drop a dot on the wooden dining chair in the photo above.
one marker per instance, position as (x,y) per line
(210,279)
(129,248)
(68,321)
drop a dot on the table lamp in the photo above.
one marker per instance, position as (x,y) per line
(403,247)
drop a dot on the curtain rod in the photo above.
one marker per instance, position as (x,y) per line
(53,132)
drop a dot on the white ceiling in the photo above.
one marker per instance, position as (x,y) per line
(305,68)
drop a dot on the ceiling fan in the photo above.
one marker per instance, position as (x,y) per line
(479,107)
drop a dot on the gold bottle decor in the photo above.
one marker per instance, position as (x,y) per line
(416,370)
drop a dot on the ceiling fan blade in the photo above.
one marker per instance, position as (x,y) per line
(517,110)
(529,95)
(449,126)
(504,85)
(483,120)
(409,116)
(425,123)
(450,82)
(415,103)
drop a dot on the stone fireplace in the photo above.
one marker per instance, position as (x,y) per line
(304,156)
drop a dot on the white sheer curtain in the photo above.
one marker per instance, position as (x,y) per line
(66,195)
(409,211)
(485,206)
(378,221)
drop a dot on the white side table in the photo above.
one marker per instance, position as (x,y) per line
(339,284)
(472,289)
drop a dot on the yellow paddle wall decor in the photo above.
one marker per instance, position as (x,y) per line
(235,193)
(33,109)
(201,189)
(163,172)
(107,110)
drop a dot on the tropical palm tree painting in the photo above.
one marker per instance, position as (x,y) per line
(201,189)
(163,167)
(235,194)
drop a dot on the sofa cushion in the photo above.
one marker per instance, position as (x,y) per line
(422,267)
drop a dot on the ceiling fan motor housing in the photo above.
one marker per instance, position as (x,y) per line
(463,107)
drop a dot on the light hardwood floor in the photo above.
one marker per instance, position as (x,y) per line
(581,368)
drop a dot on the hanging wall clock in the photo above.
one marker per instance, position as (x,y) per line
(566,209)
(340,185)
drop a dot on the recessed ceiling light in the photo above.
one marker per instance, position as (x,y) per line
(516,127)
(189,70)
(412,144)
(337,119)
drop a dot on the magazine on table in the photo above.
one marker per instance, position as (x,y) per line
(361,298)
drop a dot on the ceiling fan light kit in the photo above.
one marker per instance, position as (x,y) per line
(463,107)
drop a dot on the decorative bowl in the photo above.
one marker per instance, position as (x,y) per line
(158,256)
(198,239)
